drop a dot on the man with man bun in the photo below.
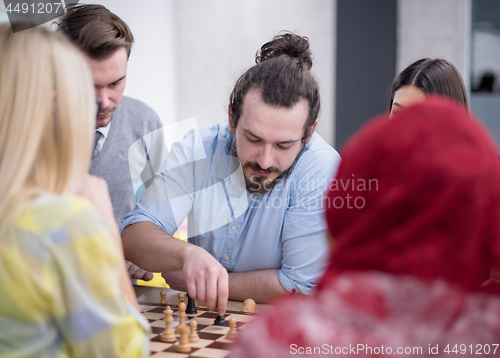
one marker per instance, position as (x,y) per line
(252,190)
(106,42)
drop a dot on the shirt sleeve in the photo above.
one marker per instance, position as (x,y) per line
(170,198)
(86,302)
(304,243)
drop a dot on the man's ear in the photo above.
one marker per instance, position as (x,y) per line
(308,139)
(230,120)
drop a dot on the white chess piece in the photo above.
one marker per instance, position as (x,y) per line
(168,335)
(232,334)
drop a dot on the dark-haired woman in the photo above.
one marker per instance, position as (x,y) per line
(405,274)
(427,77)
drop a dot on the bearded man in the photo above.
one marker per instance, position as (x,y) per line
(252,191)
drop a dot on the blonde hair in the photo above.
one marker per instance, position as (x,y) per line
(47,115)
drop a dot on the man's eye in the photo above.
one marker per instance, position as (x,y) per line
(283,147)
(253,140)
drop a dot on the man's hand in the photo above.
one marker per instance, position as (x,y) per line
(175,279)
(203,277)
(135,271)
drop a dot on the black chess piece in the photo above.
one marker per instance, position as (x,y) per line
(191,306)
(220,321)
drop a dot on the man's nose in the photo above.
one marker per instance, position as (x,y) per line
(103,98)
(265,158)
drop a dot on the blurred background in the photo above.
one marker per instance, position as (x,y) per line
(189,53)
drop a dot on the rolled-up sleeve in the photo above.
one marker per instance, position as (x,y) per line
(304,243)
(169,198)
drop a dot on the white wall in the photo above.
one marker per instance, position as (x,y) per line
(152,69)
(218,40)
(434,29)
(189,53)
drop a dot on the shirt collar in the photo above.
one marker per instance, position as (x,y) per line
(104,130)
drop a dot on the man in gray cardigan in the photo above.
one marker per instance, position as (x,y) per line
(129,135)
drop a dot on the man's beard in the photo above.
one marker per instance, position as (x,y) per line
(258,184)
(106,111)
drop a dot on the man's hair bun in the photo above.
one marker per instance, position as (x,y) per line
(287,44)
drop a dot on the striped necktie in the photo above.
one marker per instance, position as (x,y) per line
(97,137)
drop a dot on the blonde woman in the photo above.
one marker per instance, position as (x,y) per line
(64,290)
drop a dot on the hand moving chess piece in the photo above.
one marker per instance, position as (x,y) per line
(193,336)
(249,305)
(168,335)
(232,334)
(184,346)
(163,295)
(182,317)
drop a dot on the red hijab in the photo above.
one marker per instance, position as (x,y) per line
(433,207)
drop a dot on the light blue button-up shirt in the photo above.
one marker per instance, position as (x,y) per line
(283,229)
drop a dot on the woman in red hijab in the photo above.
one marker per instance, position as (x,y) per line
(415,216)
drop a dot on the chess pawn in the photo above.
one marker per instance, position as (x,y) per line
(191,306)
(193,336)
(184,346)
(181,297)
(231,335)
(220,321)
(163,296)
(249,305)
(168,335)
(182,318)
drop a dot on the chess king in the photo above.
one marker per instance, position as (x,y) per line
(251,189)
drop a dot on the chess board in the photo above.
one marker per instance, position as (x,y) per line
(213,342)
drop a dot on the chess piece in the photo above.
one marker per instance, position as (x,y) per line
(193,336)
(231,335)
(191,307)
(163,296)
(220,321)
(168,335)
(249,305)
(184,346)
(181,297)
(182,317)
